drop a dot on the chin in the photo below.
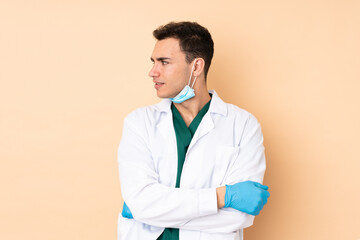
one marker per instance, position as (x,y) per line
(163,94)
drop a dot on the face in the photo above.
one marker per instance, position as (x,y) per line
(170,72)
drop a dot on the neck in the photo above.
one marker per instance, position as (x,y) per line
(190,108)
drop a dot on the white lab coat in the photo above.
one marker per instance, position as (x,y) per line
(226,148)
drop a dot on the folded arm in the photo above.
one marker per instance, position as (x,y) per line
(150,202)
(158,205)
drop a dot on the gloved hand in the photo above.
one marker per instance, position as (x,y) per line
(249,197)
(126,213)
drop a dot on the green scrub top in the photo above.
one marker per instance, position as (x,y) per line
(184,135)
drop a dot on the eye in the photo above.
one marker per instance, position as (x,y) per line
(164,62)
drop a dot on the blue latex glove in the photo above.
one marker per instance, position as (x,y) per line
(126,213)
(249,197)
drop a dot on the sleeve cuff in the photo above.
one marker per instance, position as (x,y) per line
(207,202)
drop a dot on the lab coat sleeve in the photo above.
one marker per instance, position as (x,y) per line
(248,165)
(150,202)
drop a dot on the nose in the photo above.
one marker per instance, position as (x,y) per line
(154,72)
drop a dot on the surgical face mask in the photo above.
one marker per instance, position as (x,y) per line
(187,92)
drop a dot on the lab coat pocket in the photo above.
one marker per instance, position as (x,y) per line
(225,158)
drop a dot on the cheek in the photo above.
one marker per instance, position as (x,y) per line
(175,77)
(179,77)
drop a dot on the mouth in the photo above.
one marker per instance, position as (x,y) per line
(158,85)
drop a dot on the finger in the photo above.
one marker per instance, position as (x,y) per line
(264,200)
(267,194)
(261,186)
(260,207)
(126,212)
(125,207)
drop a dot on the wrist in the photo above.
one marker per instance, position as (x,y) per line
(220,194)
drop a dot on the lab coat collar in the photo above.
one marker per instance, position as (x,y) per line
(216,106)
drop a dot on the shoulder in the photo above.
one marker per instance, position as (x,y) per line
(228,110)
(139,113)
(240,113)
(237,111)
(145,116)
(245,126)
(232,115)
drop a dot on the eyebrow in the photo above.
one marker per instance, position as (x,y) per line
(160,59)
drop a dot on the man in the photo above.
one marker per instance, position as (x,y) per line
(191,166)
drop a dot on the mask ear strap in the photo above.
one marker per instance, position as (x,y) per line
(190,78)
(192,86)
(192,71)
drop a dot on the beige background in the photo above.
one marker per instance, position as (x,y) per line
(70,71)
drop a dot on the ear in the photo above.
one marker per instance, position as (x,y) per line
(199,66)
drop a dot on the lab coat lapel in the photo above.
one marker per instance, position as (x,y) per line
(164,122)
(168,147)
(217,106)
(166,128)
(206,125)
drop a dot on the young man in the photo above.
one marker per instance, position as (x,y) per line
(191,166)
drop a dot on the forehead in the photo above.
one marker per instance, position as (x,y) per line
(169,48)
